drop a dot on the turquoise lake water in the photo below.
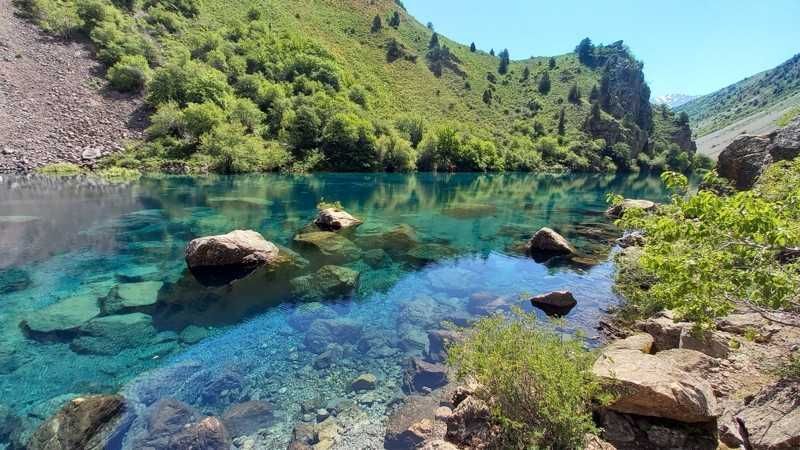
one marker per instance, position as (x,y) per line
(70,245)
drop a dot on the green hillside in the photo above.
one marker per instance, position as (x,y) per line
(248,85)
(752,95)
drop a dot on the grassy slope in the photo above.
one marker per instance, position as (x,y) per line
(744,99)
(404,86)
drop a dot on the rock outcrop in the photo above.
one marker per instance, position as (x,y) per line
(770,421)
(648,385)
(745,159)
(83,423)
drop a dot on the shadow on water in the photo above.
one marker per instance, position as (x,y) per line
(432,248)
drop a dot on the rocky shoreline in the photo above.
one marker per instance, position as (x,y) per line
(53,107)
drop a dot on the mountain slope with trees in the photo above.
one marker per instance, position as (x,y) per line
(245,85)
(746,98)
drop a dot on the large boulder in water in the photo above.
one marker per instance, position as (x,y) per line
(83,423)
(546,243)
(335,219)
(557,303)
(237,248)
(62,319)
(329,282)
(649,385)
(132,297)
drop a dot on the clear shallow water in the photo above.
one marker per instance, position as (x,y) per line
(216,347)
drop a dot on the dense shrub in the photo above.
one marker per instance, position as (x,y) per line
(537,382)
(705,253)
(200,118)
(130,74)
(413,127)
(232,150)
(395,153)
(349,143)
(191,82)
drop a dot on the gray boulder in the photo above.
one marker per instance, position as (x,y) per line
(335,219)
(771,421)
(546,242)
(329,282)
(557,303)
(131,297)
(108,335)
(237,248)
(62,319)
(322,332)
(329,246)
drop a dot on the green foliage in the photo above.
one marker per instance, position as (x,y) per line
(60,169)
(413,127)
(537,382)
(544,83)
(130,74)
(377,24)
(396,154)
(574,95)
(232,150)
(705,253)
(119,174)
(791,369)
(505,60)
(349,143)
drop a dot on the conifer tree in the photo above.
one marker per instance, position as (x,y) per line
(574,95)
(394,21)
(505,60)
(526,73)
(562,121)
(491,52)
(487,96)
(552,63)
(544,83)
(377,24)
(434,42)
(472,48)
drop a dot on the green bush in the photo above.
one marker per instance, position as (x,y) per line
(200,118)
(246,113)
(130,74)
(53,16)
(396,154)
(95,12)
(232,150)
(348,143)
(192,82)
(60,169)
(537,381)
(706,253)
(168,120)
(413,127)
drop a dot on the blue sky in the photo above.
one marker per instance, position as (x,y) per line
(688,46)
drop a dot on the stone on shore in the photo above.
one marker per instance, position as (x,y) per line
(547,243)
(770,421)
(651,386)
(83,423)
(237,248)
(557,303)
(335,219)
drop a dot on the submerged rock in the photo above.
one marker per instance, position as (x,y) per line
(469,210)
(108,335)
(10,427)
(329,246)
(322,332)
(335,219)
(329,282)
(428,253)
(557,303)
(617,211)
(131,297)
(397,240)
(363,382)
(83,423)
(421,376)
(170,424)
(306,313)
(14,280)
(546,243)
(237,248)
(193,334)
(61,320)
(247,418)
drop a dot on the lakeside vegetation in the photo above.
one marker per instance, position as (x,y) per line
(249,86)
(537,382)
(707,252)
